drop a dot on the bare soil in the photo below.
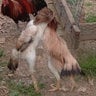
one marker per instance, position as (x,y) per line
(9,34)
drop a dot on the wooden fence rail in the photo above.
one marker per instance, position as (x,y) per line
(82,31)
(88,31)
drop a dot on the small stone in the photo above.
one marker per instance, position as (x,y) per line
(64,89)
(10,75)
(82,89)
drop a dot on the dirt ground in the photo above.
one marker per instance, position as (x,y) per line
(8,36)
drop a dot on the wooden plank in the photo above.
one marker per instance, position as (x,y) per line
(84,37)
(88,31)
(67,21)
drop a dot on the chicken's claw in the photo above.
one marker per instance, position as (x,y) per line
(57,88)
(54,88)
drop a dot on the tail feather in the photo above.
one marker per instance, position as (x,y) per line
(13,61)
(27,5)
(12,65)
(77,71)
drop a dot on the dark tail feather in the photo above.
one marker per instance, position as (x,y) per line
(13,61)
(71,72)
(12,65)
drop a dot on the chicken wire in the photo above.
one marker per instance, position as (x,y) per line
(76,7)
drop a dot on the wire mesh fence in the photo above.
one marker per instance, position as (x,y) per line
(76,7)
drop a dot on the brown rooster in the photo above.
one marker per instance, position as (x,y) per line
(20,9)
(60,60)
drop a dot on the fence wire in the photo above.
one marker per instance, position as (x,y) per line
(76,7)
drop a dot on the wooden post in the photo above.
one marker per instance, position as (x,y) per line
(68,22)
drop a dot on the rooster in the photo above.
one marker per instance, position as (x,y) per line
(43,28)
(20,9)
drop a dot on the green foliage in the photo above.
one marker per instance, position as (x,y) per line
(14,93)
(88,64)
(3,63)
(90,18)
(19,89)
(88,4)
(1,52)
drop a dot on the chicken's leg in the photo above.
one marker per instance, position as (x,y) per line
(55,88)
(55,72)
(31,58)
(72,82)
(35,83)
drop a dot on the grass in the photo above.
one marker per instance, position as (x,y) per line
(90,18)
(3,62)
(88,64)
(1,52)
(19,89)
(88,4)
(90,15)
